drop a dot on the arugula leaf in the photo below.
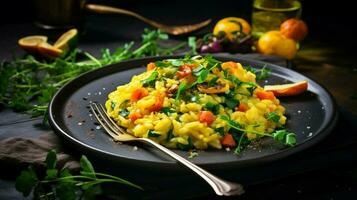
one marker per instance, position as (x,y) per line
(150,81)
(170,135)
(202,76)
(273,116)
(152,133)
(197,70)
(177,62)
(290,139)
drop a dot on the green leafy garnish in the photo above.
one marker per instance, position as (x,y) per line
(181,89)
(231,103)
(214,108)
(264,73)
(170,135)
(167,110)
(64,185)
(220,131)
(150,81)
(124,112)
(273,116)
(152,133)
(185,147)
(285,137)
(112,105)
(213,81)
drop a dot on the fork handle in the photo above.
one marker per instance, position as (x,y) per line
(113,10)
(220,186)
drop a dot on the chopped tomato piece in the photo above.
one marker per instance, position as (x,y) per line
(243,107)
(228,140)
(150,66)
(265,95)
(184,70)
(206,117)
(135,115)
(139,94)
(158,103)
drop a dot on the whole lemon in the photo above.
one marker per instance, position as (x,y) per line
(230,25)
(274,43)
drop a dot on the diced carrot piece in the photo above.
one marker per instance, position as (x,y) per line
(135,115)
(206,117)
(243,107)
(139,94)
(150,66)
(228,140)
(232,66)
(265,95)
(158,103)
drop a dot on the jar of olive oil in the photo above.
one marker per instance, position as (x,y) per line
(269,14)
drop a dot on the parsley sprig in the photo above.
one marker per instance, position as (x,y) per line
(61,184)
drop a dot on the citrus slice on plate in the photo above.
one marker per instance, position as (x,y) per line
(49,51)
(31,43)
(67,41)
(287,89)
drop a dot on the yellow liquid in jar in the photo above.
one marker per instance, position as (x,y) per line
(269,14)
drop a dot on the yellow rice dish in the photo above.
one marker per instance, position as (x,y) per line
(196,103)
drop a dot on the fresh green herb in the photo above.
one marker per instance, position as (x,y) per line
(213,81)
(214,108)
(231,103)
(243,141)
(234,80)
(192,44)
(162,64)
(202,76)
(170,135)
(29,84)
(264,73)
(197,70)
(251,87)
(152,133)
(220,131)
(177,62)
(181,89)
(61,184)
(285,137)
(211,62)
(150,81)
(124,112)
(166,110)
(273,116)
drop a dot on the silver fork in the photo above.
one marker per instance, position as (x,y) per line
(220,186)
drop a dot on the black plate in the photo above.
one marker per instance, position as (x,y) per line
(311,115)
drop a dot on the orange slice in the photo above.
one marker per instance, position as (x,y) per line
(31,43)
(287,89)
(67,41)
(49,51)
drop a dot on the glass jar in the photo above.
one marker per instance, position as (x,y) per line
(269,14)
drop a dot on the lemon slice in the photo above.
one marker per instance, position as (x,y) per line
(49,51)
(67,41)
(31,43)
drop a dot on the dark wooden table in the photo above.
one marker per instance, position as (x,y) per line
(330,170)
